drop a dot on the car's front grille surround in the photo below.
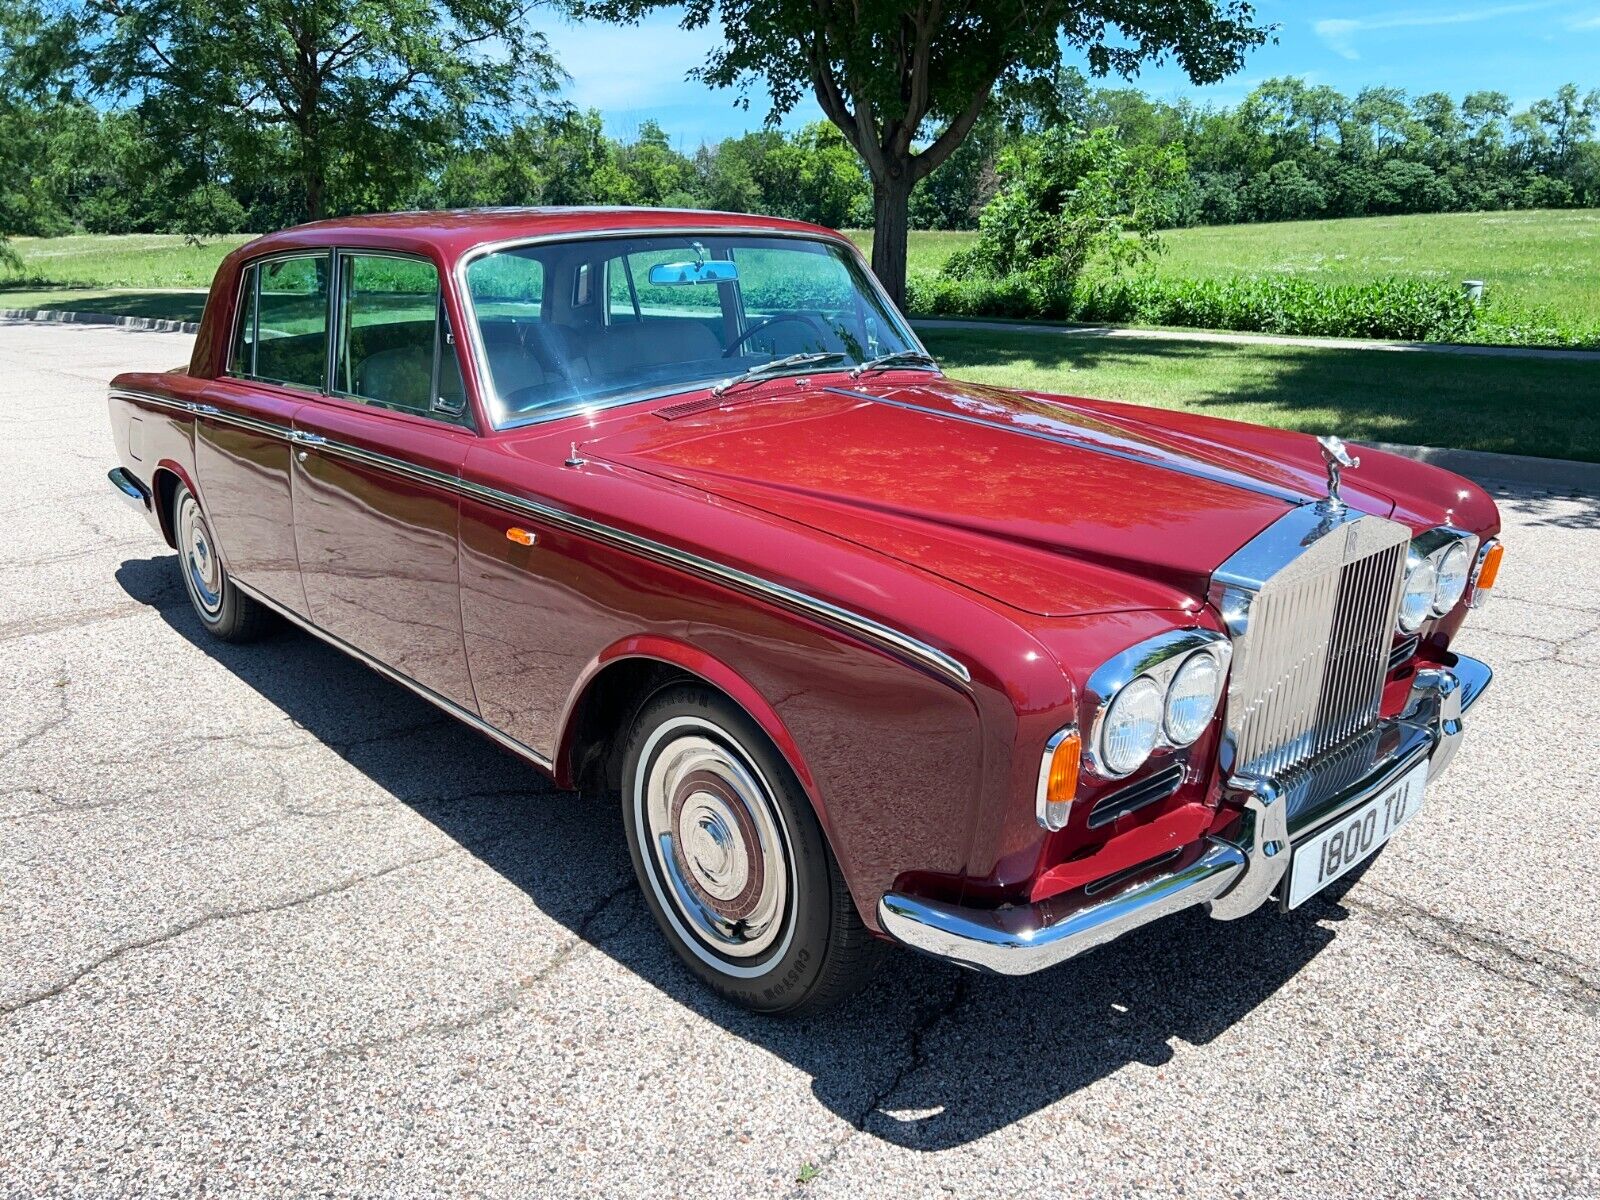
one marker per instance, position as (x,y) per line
(1311,639)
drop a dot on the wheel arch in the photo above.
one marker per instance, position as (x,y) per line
(164,483)
(622,678)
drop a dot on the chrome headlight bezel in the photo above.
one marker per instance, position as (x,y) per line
(1430,550)
(1158,659)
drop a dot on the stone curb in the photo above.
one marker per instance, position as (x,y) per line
(1480,466)
(148,324)
(1221,337)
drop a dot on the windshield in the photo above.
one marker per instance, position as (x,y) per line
(578,325)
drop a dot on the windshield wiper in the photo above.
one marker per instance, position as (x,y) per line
(776,364)
(911,357)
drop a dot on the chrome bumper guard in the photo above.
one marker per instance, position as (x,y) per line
(1234,876)
(129,487)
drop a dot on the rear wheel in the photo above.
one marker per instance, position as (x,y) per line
(225,611)
(732,861)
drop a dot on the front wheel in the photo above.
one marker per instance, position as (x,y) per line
(732,861)
(225,611)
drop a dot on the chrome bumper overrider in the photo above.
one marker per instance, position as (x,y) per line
(1234,876)
(129,487)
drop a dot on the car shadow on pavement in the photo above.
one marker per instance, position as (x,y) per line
(927,1057)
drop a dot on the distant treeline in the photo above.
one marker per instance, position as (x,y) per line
(1289,151)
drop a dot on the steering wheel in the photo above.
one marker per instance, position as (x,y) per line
(807,319)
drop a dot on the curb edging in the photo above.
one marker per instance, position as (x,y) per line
(1484,467)
(59,317)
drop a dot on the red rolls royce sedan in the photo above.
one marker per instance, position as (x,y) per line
(675,505)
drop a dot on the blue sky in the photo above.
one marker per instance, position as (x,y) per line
(1525,49)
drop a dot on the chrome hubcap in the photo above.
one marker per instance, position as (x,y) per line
(201,570)
(717,851)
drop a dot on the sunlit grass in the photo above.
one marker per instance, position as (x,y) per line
(1513,406)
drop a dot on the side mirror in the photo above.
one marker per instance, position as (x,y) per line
(680,273)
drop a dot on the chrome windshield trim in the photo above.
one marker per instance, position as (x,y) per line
(449,706)
(1191,469)
(486,387)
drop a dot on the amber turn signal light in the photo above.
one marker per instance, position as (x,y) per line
(521,537)
(1485,573)
(1058,778)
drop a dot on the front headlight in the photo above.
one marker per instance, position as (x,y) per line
(1131,726)
(1454,568)
(1416,602)
(1192,698)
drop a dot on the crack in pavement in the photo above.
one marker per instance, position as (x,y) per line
(216,916)
(84,619)
(511,999)
(915,1059)
(1530,964)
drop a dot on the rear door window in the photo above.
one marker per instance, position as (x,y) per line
(288,329)
(394,347)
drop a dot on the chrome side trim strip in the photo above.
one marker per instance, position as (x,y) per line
(1030,937)
(209,411)
(865,627)
(787,597)
(1193,470)
(427,693)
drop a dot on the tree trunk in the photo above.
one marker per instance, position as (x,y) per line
(891,211)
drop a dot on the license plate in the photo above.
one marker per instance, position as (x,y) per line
(1354,837)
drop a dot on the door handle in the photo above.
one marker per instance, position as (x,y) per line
(306,438)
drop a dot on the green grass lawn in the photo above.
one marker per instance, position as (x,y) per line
(1538,257)
(1533,258)
(139,260)
(1510,405)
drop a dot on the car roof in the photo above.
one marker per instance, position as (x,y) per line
(452,232)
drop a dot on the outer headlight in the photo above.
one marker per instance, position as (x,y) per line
(1416,602)
(1454,568)
(1192,698)
(1131,726)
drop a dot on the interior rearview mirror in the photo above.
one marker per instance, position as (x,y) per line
(706,271)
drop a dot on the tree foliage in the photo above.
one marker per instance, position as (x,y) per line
(884,70)
(307,98)
(1068,199)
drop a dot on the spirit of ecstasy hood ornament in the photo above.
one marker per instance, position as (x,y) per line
(1337,458)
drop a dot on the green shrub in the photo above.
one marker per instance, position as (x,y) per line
(1408,309)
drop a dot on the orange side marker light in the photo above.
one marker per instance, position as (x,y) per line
(521,537)
(1058,779)
(1487,570)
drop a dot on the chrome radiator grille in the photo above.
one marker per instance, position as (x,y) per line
(1311,641)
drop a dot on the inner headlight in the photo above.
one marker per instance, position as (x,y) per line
(1422,580)
(1454,568)
(1192,698)
(1131,726)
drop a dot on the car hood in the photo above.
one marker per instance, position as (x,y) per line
(1052,505)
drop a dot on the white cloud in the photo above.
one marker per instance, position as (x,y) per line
(1340,33)
(1584,24)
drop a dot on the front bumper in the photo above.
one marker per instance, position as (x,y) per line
(1232,876)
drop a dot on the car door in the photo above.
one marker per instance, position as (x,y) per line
(376,460)
(242,448)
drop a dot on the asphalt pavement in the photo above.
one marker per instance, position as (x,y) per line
(271,925)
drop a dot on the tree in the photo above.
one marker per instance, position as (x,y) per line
(883,69)
(357,97)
